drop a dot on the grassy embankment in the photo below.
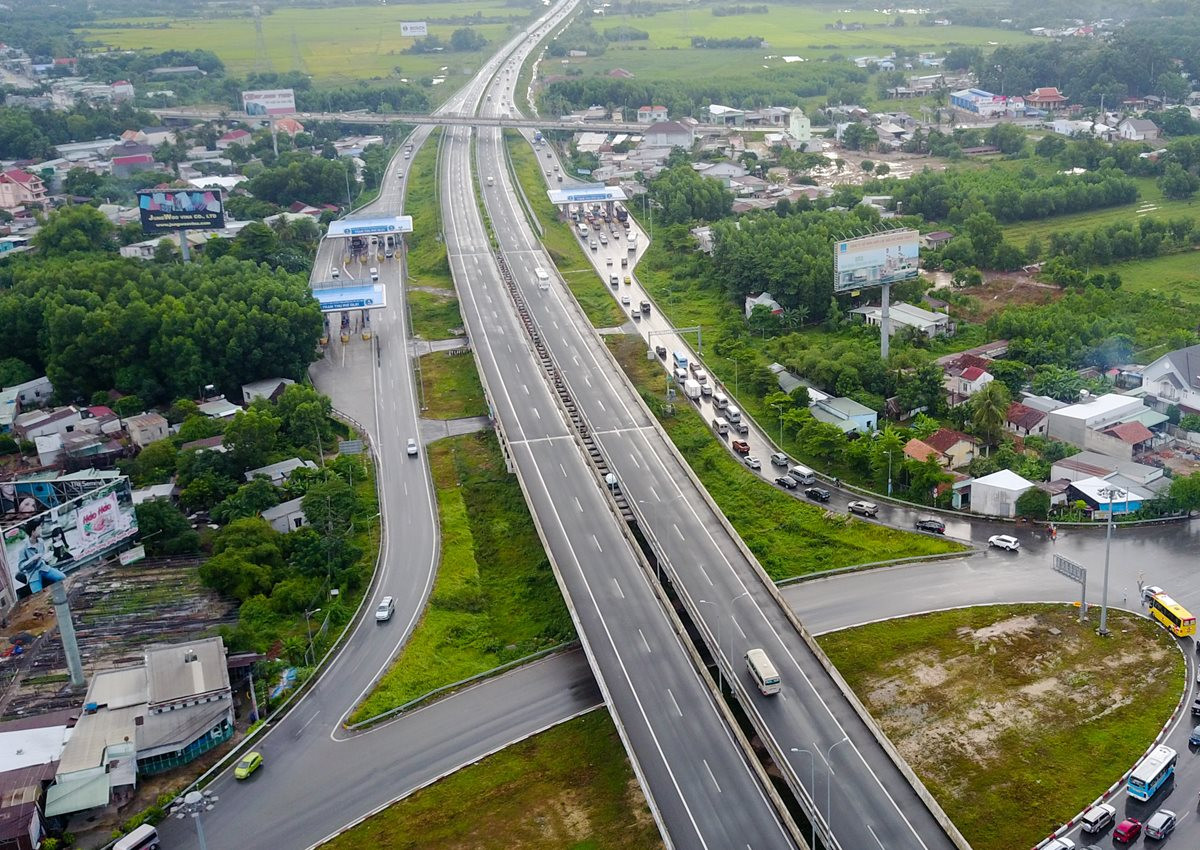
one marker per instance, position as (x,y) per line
(569,787)
(495,598)
(562,246)
(431,298)
(334,45)
(788,536)
(1015,717)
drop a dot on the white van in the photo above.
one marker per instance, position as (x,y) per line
(145,837)
(681,375)
(543,278)
(490,181)
(720,401)
(803,474)
(733,414)
(374,273)
(583,230)
(700,375)
(763,672)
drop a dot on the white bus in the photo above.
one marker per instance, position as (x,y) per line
(763,672)
(1152,773)
(145,837)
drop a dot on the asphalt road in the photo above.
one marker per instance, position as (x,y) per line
(698,781)
(824,745)
(316,778)
(1162,555)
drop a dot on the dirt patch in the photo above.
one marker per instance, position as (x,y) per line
(1006,628)
(1000,290)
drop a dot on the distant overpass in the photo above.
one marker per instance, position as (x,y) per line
(579,126)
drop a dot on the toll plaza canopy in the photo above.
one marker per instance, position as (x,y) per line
(334,299)
(346,227)
(594,193)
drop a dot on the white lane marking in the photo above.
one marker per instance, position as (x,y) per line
(711,775)
(597,542)
(645,642)
(736,625)
(620,592)
(677,531)
(880,843)
(635,461)
(526,388)
(564,471)
(309,721)
(704,573)
(675,703)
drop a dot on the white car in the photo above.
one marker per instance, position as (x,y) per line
(412,447)
(387,607)
(1004,541)
(1098,818)
(335,273)
(1060,844)
(1149,591)
(625,299)
(752,462)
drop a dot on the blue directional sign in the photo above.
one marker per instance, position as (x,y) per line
(595,193)
(370,226)
(335,298)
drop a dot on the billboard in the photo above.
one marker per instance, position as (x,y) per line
(344,227)
(414,29)
(181,209)
(269,102)
(875,260)
(40,550)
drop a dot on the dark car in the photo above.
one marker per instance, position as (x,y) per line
(931,524)
(1194,738)
(741,447)
(787,482)
(661,351)
(1196,705)
(817,494)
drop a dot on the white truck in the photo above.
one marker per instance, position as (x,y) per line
(691,389)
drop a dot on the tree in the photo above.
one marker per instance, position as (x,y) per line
(251,499)
(467,39)
(1034,503)
(250,437)
(1010,373)
(165,252)
(72,229)
(164,529)
(1185,492)
(1177,183)
(989,410)
(155,464)
(882,169)
(887,456)
(921,388)
(14,371)
(867,165)
(1057,382)
(329,507)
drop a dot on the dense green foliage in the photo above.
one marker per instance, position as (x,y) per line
(302,177)
(683,195)
(783,86)
(1122,240)
(32,133)
(952,196)
(97,322)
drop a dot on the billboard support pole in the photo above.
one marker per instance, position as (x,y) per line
(66,630)
(274,137)
(185,250)
(885,323)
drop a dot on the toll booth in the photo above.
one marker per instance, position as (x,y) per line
(590,196)
(348,308)
(371,240)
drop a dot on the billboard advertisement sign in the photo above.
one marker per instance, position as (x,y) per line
(181,209)
(269,102)
(414,29)
(40,550)
(875,260)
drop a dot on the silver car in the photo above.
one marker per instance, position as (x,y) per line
(1161,824)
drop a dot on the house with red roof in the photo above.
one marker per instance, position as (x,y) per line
(954,447)
(20,188)
(289,125)
(1025,421)
(233,137)
(123,166)
(1048,97)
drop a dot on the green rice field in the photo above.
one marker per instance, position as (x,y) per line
(334,45)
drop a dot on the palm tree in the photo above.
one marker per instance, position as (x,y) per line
(989,410)
(793,318)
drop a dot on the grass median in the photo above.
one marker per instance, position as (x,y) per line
(1016,717)
(789,537)
(569,787)
(432,302)
(495,599)
(451,386)
(589,290)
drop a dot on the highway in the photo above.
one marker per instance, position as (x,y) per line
(701,788)
(823,743)
(316,777)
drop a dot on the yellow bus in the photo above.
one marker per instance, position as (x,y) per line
(1176,619)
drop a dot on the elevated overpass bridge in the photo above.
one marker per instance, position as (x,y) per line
(444,119)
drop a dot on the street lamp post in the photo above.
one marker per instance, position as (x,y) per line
(829,784)
(719,653)
(889,454)
(191,805)
(1110,493)
(308,626)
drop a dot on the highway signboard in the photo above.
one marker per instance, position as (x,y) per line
(874,260)
(369,226)
(269,102)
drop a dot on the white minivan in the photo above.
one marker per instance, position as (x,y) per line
(145,837)
(803,474)
(543,278)
(733,414)
(720,401)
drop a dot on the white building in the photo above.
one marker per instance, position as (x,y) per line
(146,429)
(668,134)
(1110,424)
(997,494)
(1137,130)
(286,517)
(1174,378)
(907,316)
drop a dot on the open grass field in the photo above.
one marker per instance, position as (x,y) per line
(1150,203)
(569,787)
(790,30)
(494,599)
(1015,717)
(589,290)
(335,45)
(789,537)
(451,386)
(1173,273)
